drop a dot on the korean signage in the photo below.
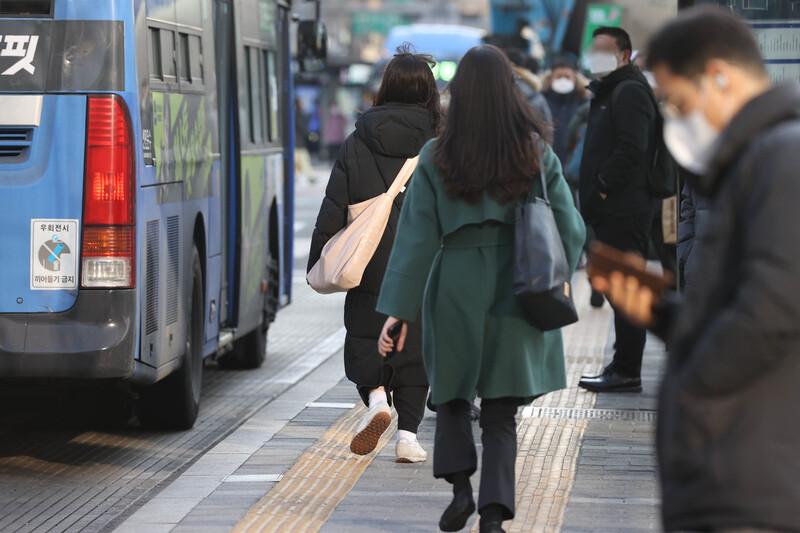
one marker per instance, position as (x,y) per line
(54,254)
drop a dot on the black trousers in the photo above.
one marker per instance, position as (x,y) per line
(629,234)
(454,448)
(408,401)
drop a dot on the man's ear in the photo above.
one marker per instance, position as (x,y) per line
(626,57)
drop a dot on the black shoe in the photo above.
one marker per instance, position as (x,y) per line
(455,517)
(491,527)
(611,381)
(597,300)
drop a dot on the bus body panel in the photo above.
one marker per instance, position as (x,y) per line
(45,184)
(185,196)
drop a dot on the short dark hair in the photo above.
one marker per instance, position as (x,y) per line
(687,43)
(563,62)
(620,36)
(408,79)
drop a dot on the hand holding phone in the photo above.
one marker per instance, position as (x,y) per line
(394,330)
(392,337)
(604,259)
(628,285)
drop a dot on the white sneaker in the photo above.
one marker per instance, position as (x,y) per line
(410,452)
(371,428)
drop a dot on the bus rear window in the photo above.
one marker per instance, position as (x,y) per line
(26,8)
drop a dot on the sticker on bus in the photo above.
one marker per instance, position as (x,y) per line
(54,254)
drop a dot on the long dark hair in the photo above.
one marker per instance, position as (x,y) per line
(490,136)
(408,79)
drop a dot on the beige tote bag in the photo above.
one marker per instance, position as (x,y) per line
(345,257)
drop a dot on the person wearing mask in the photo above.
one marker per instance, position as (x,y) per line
(727,426)
(614,196)
(405,115)
(525,71)
(454,254)
(565,91)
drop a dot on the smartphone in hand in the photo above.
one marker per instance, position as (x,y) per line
(394,334)
(604,259)
(395,329)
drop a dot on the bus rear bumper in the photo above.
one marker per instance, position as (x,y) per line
(95,339)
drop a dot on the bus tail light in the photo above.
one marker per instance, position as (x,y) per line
(108,256)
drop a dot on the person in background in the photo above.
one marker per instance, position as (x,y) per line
(525,70)
(666,252)
(333,134)
(565,91)
(405,115)
(302,157)
(454,254)
(728,430)
(614,195)
(695,211)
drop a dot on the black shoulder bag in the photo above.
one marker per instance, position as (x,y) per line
(541,273)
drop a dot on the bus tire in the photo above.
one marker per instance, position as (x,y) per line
(174,402)
(250,351)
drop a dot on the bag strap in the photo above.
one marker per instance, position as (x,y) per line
(403,176)
(542,177)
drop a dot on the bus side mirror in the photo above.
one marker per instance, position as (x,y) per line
(312,45)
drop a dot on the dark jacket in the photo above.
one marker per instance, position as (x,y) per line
(618,148)
(530,85)
(563,108)
(694,217)
(729,423)
(369,160)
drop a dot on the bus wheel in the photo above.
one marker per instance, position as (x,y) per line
(173,403)
(251,350)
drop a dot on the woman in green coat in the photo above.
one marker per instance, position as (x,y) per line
(454,254)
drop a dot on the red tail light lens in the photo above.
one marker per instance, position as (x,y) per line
(108,250)
(110,194)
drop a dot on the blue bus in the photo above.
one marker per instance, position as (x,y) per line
(146,191)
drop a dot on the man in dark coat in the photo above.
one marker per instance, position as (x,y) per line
(728,426)
(367,164)
(614,197)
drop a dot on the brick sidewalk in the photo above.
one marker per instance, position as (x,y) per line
(585,462)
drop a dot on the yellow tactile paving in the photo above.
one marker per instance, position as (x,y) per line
(548,450)
(310,491)
(547,447)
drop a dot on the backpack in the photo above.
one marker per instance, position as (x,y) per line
(662,179)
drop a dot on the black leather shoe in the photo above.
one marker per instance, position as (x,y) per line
(455,517)
(597,299)
(492,527)
(611,381)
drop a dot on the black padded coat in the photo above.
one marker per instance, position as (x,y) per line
(369,160)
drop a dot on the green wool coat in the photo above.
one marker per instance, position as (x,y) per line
(475,338)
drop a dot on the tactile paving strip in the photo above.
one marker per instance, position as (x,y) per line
(310,491)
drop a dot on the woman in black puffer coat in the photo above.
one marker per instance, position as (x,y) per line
(405,116)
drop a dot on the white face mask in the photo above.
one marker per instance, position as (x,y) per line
(563,85)
(691,141)
(602,63)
